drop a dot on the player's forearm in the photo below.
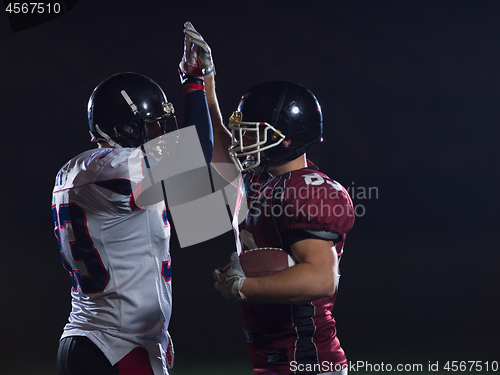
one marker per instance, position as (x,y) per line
(213,104)
(220,131)
(298,284)
(196,114)
(222,136)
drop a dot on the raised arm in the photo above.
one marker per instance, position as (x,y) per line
(195,101)
(221,136)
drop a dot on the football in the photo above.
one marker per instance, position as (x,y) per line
(264,261)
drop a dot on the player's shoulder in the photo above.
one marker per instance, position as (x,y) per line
(311,183)
(99,157)
(312,200)
(100,165)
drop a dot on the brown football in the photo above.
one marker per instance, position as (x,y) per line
(264,261)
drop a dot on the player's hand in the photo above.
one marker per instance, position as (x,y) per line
(229,279)
(170,352)
(204,53)
(188,67)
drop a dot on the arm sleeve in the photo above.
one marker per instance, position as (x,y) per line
(197,114)
(320,208)
(289,237)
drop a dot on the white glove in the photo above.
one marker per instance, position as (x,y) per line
(188,60)
(199,50)
(230,279)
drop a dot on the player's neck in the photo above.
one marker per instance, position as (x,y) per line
(279,169)
(103,144)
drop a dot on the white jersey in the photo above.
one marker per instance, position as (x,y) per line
(117,255)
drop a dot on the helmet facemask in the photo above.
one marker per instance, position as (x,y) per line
(167,142)
(250,140)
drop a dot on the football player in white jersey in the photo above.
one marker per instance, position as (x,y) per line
(117,252)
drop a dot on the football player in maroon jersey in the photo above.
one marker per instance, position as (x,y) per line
(286,311)
(294,232)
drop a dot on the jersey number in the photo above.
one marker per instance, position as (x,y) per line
(86,269)
(315,179)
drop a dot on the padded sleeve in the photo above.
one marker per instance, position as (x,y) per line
(316,203)
(291,236)
(197,114)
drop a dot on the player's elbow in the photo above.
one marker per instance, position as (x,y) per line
(329,288)
(325,287)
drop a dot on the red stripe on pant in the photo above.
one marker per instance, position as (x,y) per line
(135,363)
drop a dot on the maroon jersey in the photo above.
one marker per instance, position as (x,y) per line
(280,337)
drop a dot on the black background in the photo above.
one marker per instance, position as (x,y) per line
(410,95)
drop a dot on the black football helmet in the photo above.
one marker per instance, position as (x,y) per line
(121,106)
(274,111)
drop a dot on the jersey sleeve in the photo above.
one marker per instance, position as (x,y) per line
(197,114)
(313,201)
(120,180)
(115,174)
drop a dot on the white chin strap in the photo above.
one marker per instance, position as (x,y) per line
(105,138)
